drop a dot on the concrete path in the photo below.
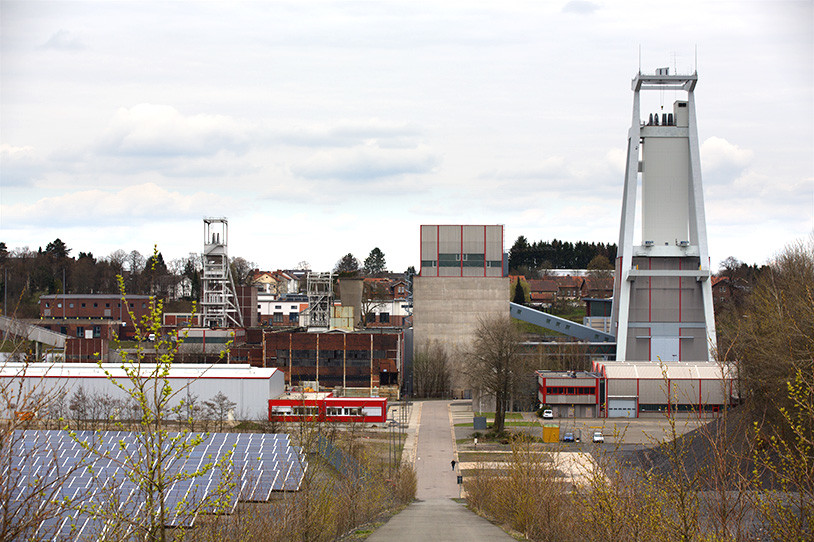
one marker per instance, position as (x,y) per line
(435,516)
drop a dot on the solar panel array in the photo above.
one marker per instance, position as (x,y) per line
(210,476)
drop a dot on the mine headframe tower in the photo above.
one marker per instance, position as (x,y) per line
(219,307)
(662,302)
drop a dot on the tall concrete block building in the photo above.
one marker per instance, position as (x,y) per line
(461,281)
(662,303)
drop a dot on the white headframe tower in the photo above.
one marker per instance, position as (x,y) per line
(662,299)
(219,299)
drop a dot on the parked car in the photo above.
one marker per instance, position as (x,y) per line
(598,436)
(568,437)
(548,414)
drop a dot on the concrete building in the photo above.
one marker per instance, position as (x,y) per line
(662,293)
(461,281)
(461,251)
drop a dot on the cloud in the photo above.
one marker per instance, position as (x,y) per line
(349,133)
(366,163)
(63,40)
(721,161)
(161,130)
(144,203)
(579,6)
(20,165)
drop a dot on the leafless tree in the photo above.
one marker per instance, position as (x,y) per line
(218,409)
(432,376)
(493,362)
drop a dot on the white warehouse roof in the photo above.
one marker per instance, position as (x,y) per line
(675,370)
(94,370)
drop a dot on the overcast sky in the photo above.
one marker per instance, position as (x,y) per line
(322,128)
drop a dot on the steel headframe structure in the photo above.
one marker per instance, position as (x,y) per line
(662,303)
(320,300)
(219,305)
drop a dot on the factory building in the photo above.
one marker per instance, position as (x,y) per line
(639,390)
(249,387)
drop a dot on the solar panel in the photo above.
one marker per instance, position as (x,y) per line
(100,487)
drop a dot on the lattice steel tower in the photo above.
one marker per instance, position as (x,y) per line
(662,299)
(320,300)
(219,299)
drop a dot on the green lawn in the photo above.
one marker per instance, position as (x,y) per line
(509,415)
(508,423)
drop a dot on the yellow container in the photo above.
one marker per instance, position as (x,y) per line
(551,432)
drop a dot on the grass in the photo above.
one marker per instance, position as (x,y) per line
(508,415)
(507,423)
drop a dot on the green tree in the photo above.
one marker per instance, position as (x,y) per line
(520,292)
(154,466)
(374,263)
(57,250)
(347,265)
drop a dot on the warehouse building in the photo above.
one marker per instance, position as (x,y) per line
(249,387)
(638,390)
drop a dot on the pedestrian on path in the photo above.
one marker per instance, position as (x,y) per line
(453,464)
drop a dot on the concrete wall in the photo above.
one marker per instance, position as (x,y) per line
(447,310)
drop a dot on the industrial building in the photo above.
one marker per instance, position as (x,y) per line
(249,387)
(639,390)
(461,281)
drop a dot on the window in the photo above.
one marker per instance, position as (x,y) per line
(70,305)
(305,411)
(278,306)
(384,318)
(80,331)
(97,332)
(63,330)
(47,304)
(131,305)
(370,317)
(428,263)
(95,305)
(83,305)
(107,305)
(144,305)
(59,305)
(277,318)
(294,317)
(334,411)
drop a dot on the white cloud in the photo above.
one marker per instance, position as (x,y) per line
(580,6)
(161,130)
(130,206)
(365,163)
(20,165)
(719,154)
(63,40)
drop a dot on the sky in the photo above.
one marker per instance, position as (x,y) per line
(325,128)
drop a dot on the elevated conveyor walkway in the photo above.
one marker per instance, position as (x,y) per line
(560,325)
(32,332)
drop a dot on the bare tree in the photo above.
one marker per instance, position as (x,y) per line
(374,296)
(218,409)
(494,364)
(432,376)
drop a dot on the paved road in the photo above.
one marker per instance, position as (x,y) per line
(435,516)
